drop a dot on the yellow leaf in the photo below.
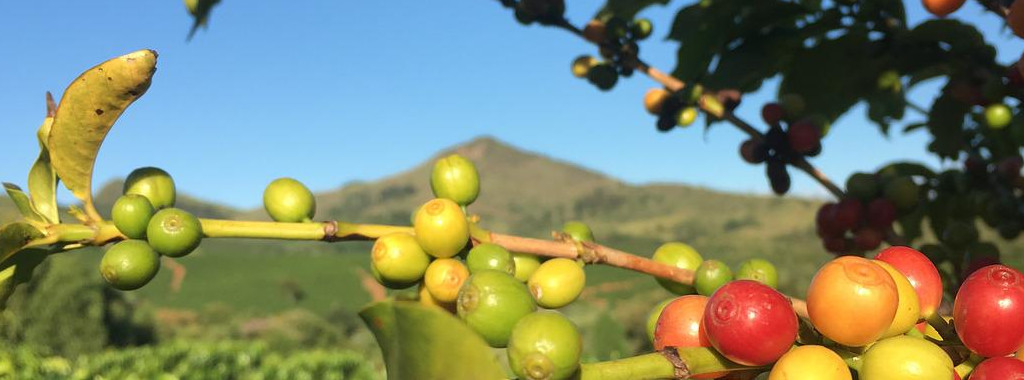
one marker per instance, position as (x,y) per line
(87,110)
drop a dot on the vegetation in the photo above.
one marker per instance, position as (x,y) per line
(180,360)
(863,311)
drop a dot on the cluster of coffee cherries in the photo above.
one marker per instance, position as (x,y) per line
(146,216)
(994,188)
(508,298)
(988,189)
(617,40)
(861,221)
(877,318)
(708,276)
(153,227)
(801,137)
(673,108)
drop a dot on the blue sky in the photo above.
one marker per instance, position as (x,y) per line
(334,91)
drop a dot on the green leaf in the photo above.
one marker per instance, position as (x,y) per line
(945,122)
(832,76)
(701,35)
(758,17)
(885,108)
(885,12)
(88,109)
(627,9)
(748,38)
(426,342)
(910,224)
(961,39)
(813,5)
(42,184)
(906,169)
(921,74)
(18,270)
(17,262)
(24,204)
(42,180)
(747,66)
(15,236)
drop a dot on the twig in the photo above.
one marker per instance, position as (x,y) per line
(915,107)
(674,84)
(344,231)
(599,254)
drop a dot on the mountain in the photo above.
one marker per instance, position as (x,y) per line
(523,193)
(520,191)
(528,193)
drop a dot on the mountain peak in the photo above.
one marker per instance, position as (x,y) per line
(510,178)
(480,148)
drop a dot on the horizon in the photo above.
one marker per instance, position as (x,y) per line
(342,97)
(427,161)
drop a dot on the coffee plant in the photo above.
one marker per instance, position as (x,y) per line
(188,360)
(476,289)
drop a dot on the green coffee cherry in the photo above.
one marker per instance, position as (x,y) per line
(678,255)
(398,260)
(687,116)
(641,28)
(490,256)
(823,123)
(441,228)
(526,264)
(491,303)
(652,318)
(582,64)
(174,232)
(454,177)
(557,282)
(131,214)
(794,105)
(902,192)
(289,201)
(152,183)
(759,270)
(711,275)
(544,346)
(890,81)
(129,265)
(388,283)
(863,186)
(578,231)
(998,116)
